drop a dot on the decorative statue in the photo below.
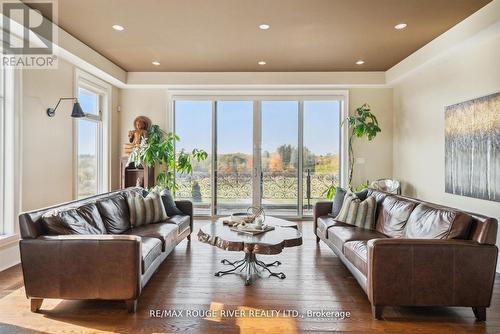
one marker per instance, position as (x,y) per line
(141,130)
(141,126)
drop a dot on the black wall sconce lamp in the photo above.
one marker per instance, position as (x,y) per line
(77,111)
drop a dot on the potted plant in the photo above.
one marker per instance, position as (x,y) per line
(159,149)
(362,124)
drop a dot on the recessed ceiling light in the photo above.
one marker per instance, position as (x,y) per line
(400,26)
(118,27)
(155,63)
(264,26)
(261,62)
(360,62)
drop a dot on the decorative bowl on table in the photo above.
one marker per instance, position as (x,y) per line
(241,217)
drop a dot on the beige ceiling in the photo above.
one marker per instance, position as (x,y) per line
(223,35)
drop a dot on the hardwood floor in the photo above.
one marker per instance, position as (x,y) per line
(316,280)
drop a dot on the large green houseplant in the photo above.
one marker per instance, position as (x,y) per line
(159,149)
(362,124)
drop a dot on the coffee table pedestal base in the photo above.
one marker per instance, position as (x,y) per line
(252,266)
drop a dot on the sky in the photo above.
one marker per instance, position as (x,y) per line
(86,129)
(235,125)
(193,121)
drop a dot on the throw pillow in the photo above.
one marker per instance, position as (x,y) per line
(146,210)
(344,210)
(357,212)
(169,203)
(363,194)
(82,220)
(338,200)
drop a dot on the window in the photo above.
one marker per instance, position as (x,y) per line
(277,152)
(9,151)
(2,152)
(91,137)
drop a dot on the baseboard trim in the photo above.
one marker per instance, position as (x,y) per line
(9,256)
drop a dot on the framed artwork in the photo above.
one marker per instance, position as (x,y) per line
(472,148)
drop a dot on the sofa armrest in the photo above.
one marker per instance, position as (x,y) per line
(321,209)
(430,272)
(187,208)
(82,266)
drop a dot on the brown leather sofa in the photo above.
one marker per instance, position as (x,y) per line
(418,254)
(114,265)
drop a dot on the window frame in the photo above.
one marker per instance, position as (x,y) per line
(10,154)
(2,152)
(257,96)
(103,119)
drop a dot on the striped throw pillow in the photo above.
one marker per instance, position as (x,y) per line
(145,210)
(357,212)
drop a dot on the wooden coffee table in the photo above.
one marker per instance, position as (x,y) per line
(285,234)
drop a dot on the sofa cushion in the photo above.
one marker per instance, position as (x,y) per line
(145,210)
(393,215)
(166,232)
(379,197)
(82,220)
(434,222)
(324,223)
(90,213)
(115,214)
(339,235)
(150,250)
(357,253)
(182,222)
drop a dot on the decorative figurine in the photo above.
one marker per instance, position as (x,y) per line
(142,125)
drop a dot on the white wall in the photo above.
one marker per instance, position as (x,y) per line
(376,154)
(48,142)
(141,102)
(419,101)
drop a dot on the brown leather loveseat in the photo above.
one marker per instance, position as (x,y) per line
(417,254)
(114,264)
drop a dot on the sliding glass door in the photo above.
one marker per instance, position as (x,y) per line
(281,154)
(234,158)
(280,157)
(321,150)
(193,124)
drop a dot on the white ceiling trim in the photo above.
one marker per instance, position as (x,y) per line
(237,80)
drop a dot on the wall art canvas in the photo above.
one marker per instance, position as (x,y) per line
(472,148)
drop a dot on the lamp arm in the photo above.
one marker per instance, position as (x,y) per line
(52,111)
(63,98)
